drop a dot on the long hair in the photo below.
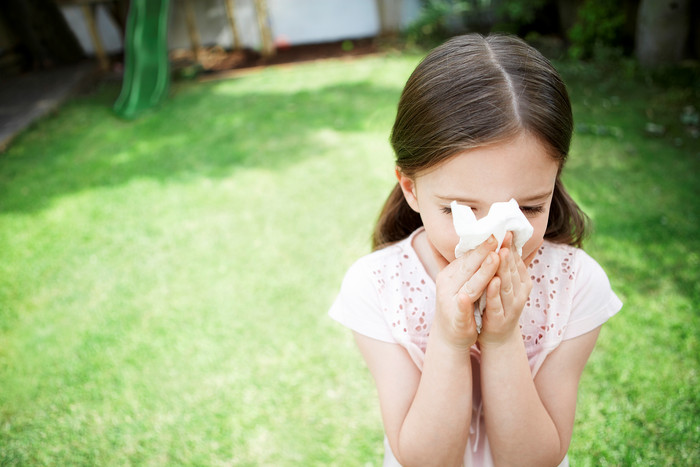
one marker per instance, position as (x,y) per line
(470,92)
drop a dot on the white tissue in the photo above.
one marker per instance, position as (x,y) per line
(502,217)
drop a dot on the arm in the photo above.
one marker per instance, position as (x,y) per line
(528,422)
(427,415)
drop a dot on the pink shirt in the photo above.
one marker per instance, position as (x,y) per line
(387,295)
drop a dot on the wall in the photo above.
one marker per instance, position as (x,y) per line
(293,22)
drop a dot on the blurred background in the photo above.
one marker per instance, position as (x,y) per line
(43,33)
(183,184)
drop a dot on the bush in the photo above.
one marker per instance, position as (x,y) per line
(433,24)
(440,19)
(598,30)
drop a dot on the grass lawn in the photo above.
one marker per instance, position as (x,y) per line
(164,282)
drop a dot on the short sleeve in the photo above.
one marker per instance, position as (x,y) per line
(594,301)
(358,306)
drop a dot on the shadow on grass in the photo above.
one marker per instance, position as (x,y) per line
(203,131)
(646,210)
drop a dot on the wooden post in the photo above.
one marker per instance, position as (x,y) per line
(268,48)
(236,45)
(195,41)
(89,13)
(389,12)
(381,11)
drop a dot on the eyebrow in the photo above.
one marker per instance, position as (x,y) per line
(458,199)
(539,197)
(529,199)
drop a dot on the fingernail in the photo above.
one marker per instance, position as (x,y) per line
(489,259)
(492,240)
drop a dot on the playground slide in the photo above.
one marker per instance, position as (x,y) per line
(146,68)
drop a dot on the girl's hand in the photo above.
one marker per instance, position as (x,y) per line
(458,286)
(506,296)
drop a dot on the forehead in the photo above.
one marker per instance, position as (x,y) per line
(517,168)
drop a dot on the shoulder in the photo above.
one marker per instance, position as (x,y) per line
(571,296)
(363,301)
(379,264)
(568,264)
(585,283)
(575,266)
(387,295)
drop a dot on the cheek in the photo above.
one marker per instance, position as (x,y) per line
(540,226)
(442,235)
(447,247)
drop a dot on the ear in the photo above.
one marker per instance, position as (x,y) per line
(408,187)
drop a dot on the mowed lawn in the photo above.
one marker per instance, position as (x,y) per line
(164,282)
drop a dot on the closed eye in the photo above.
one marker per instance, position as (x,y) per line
(532,210)
(448,210)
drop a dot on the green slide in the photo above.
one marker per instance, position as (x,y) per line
(146,68)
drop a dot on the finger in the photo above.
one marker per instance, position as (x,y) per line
(507,240)
(513,260)
(505,257)
(525,278)
(505,274)
(474,258)
(494,305)
(460,270)
(521,267)
(466,309)
(476,284)
(522,283)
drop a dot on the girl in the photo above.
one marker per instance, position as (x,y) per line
(481,120)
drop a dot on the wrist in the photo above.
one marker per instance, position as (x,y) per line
(440,342)
(512,339)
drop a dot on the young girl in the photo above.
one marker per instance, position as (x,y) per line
(481,120)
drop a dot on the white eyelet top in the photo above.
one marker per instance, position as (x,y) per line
(387,295)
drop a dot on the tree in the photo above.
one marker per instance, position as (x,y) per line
(662,31)
(389,12)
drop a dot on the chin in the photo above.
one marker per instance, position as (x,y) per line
(529,249)
(447,255)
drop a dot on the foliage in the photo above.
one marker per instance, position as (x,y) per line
(440,19)
(164,282)
(513,14)
(598,30)
(432,25)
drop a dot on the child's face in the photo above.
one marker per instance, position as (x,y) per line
(477,178)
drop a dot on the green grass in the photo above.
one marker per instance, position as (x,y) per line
(164,282)
(639,403)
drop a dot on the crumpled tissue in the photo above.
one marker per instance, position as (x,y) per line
(502,217)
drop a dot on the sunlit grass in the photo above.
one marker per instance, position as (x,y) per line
(164,282)
(638,403)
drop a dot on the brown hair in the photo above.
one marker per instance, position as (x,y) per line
(473,91)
